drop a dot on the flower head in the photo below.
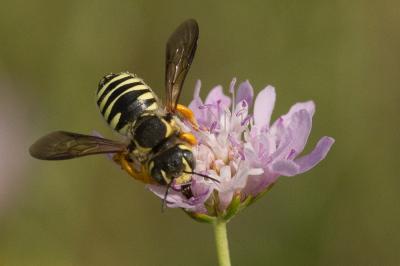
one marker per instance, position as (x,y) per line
(243,150)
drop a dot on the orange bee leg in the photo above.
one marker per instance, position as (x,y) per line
(188,137)
(188,114)
(120,158)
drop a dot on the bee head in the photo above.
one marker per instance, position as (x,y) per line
(173,163)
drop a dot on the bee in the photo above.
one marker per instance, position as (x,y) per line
(158,150)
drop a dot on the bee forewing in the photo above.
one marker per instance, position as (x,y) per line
(181,47)
(62,145)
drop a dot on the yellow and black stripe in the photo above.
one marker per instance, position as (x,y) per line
(123,98)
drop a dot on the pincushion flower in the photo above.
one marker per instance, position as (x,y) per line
(244,151)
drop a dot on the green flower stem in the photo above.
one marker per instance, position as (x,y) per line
(221,242)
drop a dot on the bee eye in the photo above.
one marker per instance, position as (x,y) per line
(157,174)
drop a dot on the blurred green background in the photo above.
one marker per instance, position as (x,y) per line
(342,54)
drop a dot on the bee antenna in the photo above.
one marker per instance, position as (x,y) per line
(203,175)
(164,201)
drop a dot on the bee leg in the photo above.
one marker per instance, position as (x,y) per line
(120,158)
(188,114)
(188,137)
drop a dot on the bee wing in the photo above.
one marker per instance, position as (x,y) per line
(62,145)
(181,47)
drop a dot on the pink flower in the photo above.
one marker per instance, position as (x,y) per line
(244,151)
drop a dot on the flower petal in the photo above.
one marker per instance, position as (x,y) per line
(217,96)
(239,181)
(300,125)
(195,106)
(309,106)
(197,87)
(285,168)
(259,183)
(201,189)
(245,92)
(291,136)
(264,106)
(225,199)
(232,86)
(175,199)
(322,148)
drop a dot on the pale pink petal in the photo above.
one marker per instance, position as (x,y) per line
(225,189)
(290,139)
(196,106)
(285,168)
(254,184)
(201,189)
(264,106)
(322,148)
(280,140)
(197,87)
(217,97)
(225,199)
(173,196)
(245,92)
(309,106)
(232,86)
(240,180)
(300,125)
(175,199)
(259,183)
(285,119)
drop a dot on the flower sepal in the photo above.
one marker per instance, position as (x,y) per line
(200,217)
(236,205)
(233,208)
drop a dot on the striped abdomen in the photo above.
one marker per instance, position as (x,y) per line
(123,98)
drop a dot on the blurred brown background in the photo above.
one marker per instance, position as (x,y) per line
(342,54)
